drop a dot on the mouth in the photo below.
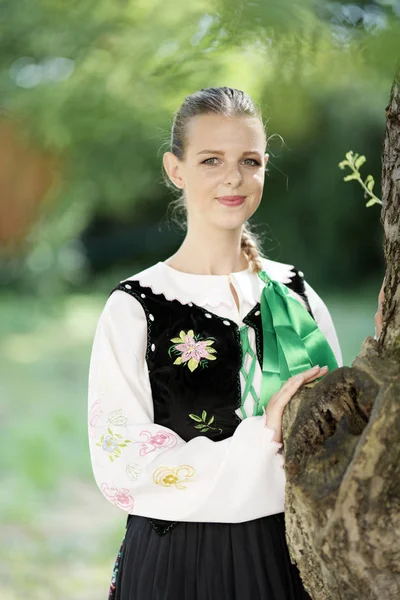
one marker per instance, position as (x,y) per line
(231,200)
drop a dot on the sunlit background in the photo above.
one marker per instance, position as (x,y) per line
(88,92)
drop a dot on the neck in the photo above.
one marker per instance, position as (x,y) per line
(210,253)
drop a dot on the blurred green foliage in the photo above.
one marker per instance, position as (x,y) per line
(97,83)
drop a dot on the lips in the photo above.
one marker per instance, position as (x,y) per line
(231,200)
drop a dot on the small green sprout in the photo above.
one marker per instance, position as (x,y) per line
(354,162)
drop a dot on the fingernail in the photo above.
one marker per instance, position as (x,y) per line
(315,367)
(325,367)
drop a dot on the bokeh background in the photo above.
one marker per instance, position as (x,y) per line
(88,93)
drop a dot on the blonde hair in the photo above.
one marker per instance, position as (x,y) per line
(224,101)
(250,245)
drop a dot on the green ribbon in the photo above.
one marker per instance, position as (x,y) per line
(292,339)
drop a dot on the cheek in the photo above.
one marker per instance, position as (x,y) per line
(259,177)
(202,177)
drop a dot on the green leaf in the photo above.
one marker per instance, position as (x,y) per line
(204,415)
(349,155)
(195,418)
(211,420)
(198,426)
(351,176)
(205,429)
(370,185)
(359,162)
(371,202)
(192,364)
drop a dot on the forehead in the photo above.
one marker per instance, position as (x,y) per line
(220,132)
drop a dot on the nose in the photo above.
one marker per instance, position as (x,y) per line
(233,176)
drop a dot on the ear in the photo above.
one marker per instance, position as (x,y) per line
(172,165)
(266,157)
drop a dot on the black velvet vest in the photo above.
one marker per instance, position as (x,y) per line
(197,397)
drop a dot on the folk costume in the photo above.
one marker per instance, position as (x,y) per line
(178,385)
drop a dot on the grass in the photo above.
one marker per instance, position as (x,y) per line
(59,536)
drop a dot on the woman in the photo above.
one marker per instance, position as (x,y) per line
(193,362)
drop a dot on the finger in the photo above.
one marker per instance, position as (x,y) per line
(381,296)
(293,383)
(378,320)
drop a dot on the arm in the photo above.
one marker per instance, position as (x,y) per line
(324,321)
(147,469)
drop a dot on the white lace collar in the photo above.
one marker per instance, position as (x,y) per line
(210,290)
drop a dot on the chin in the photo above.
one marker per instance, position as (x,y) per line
(229,224)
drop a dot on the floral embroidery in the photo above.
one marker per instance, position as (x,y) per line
(203,424)
(94,414)
(193,351)
(167,476)
(115,417)
(160,439)
(112,444)
(121,497)
(133,471)
(111,593)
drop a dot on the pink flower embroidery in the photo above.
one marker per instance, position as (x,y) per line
(160,439)
(118,496)
(94,414)
(193,350)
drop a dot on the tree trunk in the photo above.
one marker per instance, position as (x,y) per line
(342,447)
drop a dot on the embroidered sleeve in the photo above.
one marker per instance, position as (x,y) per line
(324,320)
(146,469)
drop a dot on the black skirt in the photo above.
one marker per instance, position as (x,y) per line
(205,561)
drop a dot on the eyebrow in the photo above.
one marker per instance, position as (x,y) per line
(222,153)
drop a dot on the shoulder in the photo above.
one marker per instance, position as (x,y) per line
(124,304)
(292,277)
(146,275)
(130,297)
(131,302)
(282,272)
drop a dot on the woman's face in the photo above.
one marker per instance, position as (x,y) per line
(224,157)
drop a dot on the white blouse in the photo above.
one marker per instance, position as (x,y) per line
(147,469)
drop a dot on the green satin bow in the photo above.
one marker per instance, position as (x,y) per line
(292,339)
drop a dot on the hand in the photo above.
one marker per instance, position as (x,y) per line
(278,401)
(378,318)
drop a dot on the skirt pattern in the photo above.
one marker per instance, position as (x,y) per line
(206,561)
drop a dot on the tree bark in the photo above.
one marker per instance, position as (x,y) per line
(342,447)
